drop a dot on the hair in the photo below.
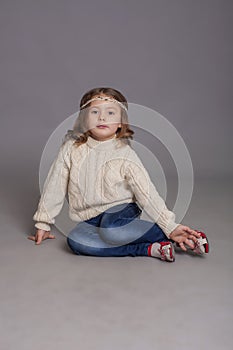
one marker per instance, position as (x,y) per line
(78,132)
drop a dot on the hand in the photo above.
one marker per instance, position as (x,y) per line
(40,236)
(182,235)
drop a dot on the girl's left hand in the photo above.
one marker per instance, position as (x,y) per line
(182,235)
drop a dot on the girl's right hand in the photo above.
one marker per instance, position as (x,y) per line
(182,235)
(40,236)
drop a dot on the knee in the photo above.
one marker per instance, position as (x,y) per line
(73,245)
(83,249)
(109,235)
(74,239)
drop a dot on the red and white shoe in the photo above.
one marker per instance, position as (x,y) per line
(162,250)
(202,244)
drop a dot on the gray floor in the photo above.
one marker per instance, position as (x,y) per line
(53,299)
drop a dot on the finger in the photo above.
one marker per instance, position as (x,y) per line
(193,238)
(182,246)
(48,235)
(32,238)
(193,232)
(196,234)
(39,239)
(188,229)
(190,244)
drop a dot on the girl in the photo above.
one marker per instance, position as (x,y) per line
(108,187)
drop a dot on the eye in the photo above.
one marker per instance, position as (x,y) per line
(111,113)
(94,111)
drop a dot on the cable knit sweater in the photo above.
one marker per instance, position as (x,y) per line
(96,176)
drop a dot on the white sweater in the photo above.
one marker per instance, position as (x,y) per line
(96,176)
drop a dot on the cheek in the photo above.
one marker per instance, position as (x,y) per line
(90,122)
(117,119)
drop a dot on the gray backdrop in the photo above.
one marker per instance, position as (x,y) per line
(172,56)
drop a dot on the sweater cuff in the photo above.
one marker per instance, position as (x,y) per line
(43,226)
(169,228)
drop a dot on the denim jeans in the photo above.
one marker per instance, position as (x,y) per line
(117,231)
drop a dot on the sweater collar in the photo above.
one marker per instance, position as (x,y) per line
(102,145)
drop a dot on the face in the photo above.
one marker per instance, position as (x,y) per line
(103,119)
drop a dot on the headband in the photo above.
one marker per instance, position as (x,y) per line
(105,99)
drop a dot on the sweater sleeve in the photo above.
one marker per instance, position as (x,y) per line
(54,190)
(147,195)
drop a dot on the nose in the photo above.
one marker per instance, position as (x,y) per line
(101,115)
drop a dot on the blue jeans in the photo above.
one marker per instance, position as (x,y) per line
(117,231)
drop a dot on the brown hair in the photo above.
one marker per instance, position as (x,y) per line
(78,132)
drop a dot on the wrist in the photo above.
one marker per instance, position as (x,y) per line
(173,232)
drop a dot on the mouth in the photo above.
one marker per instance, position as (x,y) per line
(102,126)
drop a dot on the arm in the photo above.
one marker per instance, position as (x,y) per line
(54,190)
(147,195)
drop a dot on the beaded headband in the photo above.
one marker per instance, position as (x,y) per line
(105,99)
